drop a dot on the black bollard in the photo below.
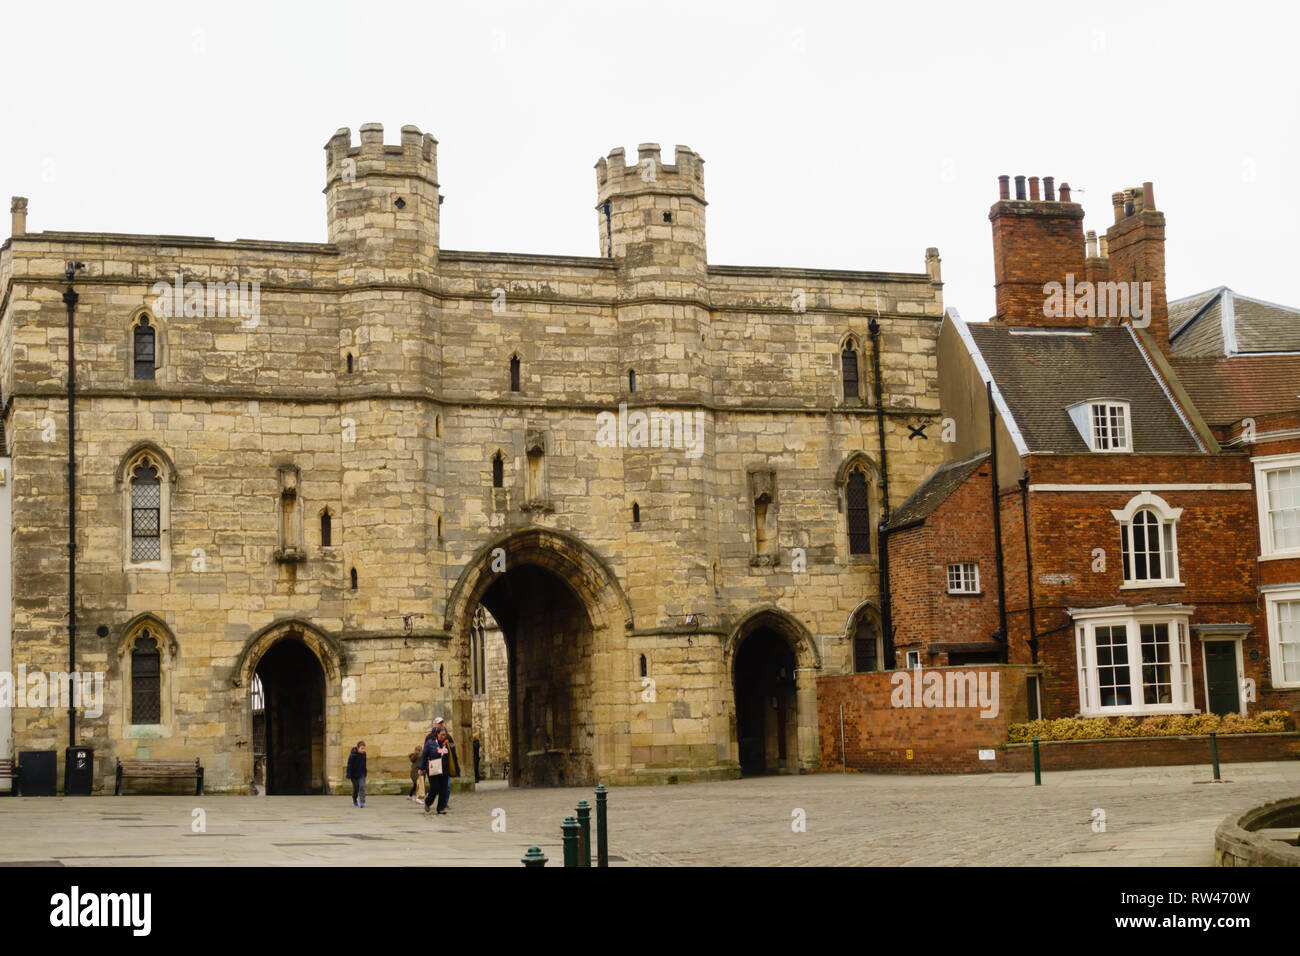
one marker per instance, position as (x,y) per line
(602,828)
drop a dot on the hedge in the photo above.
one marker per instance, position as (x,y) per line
(1165,725)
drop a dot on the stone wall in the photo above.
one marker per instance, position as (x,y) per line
(377,365)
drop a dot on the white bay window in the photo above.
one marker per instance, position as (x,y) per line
(1133,660)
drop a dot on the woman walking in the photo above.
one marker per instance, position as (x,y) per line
(433,758)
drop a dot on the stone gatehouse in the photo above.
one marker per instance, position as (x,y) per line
(303,468)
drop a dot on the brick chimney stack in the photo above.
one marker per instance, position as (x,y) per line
(1136,244)
(1035,241)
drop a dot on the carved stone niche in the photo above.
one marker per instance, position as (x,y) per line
(536,494)
(762,494)
(290,550)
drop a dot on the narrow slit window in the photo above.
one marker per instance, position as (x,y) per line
(849,365)
(631,380)
(145,342)
(858,497)
(636,513)
(514,373)
(326,530)
(349,363)
(498,471)
(354,579)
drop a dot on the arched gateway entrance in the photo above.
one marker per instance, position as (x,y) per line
(561,612)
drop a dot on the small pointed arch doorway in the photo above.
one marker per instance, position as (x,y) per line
(286,672)
(773,660)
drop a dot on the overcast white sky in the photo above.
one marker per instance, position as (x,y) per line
(835,135)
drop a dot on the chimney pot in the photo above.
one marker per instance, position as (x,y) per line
(1117,201)
(1149,196)
(1104,248)
(1092,243)
(1004,187)
(1020,187)
(1065,192)
(1033,189)
(18,209)
(1049,188)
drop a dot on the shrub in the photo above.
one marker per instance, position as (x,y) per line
(1164,725)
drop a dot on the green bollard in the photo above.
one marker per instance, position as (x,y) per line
(602,829)
(584,841)
(534,857)
(1214,754)
(1038,767)
(570,830)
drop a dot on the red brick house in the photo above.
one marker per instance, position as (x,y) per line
(1239,359)
(1130,564)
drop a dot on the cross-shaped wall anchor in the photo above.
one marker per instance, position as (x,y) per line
(918,431)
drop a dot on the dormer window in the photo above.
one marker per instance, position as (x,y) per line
(1110,431)
(1103,424)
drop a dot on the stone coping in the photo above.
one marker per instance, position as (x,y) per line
(1237,844)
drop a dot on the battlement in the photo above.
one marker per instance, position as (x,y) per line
(415,156)
(649,174)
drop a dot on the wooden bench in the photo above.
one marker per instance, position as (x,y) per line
(158,769)
(9,772)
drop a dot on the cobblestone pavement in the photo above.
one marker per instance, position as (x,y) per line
(1153,816)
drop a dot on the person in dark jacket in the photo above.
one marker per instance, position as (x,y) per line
(433,758)
(356,772)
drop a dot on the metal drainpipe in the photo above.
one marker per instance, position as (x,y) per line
(1029,568)
(882,535)
(70,300)
(997,530)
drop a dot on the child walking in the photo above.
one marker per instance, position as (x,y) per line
(356,772)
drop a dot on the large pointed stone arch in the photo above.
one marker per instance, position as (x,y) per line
(605,691)
(582,569)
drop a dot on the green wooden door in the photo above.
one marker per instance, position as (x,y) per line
(1221,675)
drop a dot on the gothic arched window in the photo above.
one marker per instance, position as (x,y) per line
(146,680)
(146,512)
(144,343)
(857,496)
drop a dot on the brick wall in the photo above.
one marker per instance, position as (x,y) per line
(1149,752)
(879,736)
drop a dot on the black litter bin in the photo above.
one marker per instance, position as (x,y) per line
(79,771)
(38,773)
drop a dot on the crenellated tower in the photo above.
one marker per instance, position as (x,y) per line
(382,203)
(651,221)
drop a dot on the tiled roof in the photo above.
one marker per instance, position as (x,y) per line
(934,491)
(1042,373)
(1223,322)
(1226,390)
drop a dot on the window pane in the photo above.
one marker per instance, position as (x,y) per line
(144,352)
(1284,508)
(1288,639)
(1157,686)
(146,514)
(1114,681)
(849,361)
(146,684)
(859,508)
